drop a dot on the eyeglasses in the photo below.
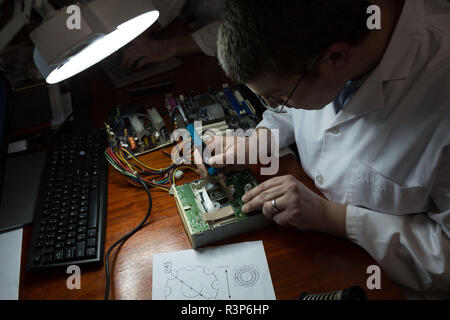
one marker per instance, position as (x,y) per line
(278,105)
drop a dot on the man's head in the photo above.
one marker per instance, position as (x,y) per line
(270,45)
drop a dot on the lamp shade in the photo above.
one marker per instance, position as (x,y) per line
(105,27)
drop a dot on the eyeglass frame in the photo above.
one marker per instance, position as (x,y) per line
(262,99)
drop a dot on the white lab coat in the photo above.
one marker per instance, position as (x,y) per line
(387,153)
(207,14)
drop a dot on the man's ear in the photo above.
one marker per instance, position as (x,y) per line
(337,56)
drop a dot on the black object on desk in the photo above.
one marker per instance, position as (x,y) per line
(70,218)
(121,78)
(158,88)
(19,195)
(350,293)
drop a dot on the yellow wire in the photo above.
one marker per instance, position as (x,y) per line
(141,163)
(121,157)
(182,167)
(162,188)
(119,154)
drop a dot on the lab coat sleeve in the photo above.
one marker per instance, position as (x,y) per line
(414,249)
(206,38)
(281,122)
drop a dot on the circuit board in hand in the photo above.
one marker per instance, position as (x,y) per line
(207,213)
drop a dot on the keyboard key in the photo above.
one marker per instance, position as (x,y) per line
(93,209)
(70,253)
(71,234)
(59,254)
(81,236)
(80,249)
(48,250)
(48,258)
(91,242)
(92,233)
(37,258)
(90,252)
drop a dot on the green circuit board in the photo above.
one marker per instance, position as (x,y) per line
(238,183)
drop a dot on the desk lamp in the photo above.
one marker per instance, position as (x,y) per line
(62,50)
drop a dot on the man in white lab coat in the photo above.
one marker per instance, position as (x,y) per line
(369,111)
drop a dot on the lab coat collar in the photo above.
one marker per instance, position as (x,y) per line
(396,63)
(401,52)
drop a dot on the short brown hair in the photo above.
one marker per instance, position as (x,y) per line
(283,37)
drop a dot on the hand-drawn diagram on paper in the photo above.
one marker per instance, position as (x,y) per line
(236,272)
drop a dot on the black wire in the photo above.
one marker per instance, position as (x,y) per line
(126,237)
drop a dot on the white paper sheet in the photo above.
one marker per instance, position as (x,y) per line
(232,272)
(10,250)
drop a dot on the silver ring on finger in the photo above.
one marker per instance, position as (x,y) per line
(274,207)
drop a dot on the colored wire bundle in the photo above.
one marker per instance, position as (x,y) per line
(138,174)
(163,178)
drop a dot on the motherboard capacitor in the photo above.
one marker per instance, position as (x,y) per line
(132,144)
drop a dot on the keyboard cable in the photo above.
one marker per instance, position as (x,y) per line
(126,237)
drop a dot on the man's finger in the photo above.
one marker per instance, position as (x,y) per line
(202,169)
(200,165)
(128,58)
(268,195)
(218,161)
(249,195)
(142,62)
(282,218)
(131,56)
(268,209)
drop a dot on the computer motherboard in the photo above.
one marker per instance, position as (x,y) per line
(141,129)
(208,215)
(228,108)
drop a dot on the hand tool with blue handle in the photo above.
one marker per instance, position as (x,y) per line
(198,143)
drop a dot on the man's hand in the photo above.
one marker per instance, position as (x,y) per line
(228,149)
(232,152)
(297,206)
(145,51)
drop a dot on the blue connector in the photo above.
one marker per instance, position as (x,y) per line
(198,142)
(234,103)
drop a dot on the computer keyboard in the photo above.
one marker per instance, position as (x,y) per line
(70,217)
(121,77)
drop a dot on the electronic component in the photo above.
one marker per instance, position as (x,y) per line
(229,105)
(137,127)
(138,133)
(155,119)
(209,215)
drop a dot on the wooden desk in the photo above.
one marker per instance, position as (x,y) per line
(298,261)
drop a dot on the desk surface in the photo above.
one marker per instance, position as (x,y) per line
(298,261)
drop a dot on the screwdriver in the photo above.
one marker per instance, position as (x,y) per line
(213,172)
